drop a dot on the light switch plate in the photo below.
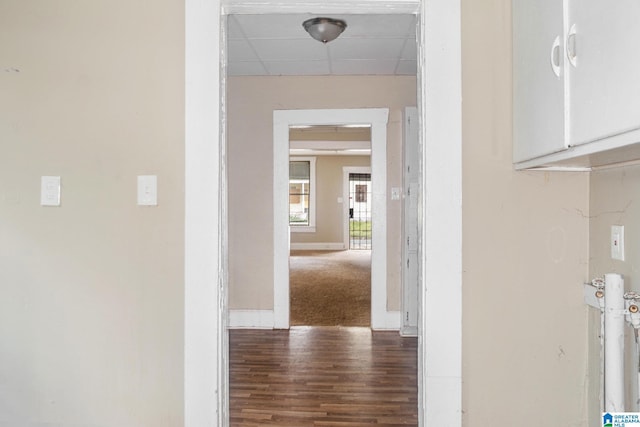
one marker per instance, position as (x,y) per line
(617,242)
(50,191)
(147,190)
(396,192)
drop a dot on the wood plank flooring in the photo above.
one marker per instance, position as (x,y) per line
(322,376)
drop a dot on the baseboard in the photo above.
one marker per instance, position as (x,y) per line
(264,319)
(251,319)
(390,321)
(409,331)
(336,246)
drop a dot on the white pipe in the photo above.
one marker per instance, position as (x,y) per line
(601,396)
(599,284)
(637,337)
(613,343)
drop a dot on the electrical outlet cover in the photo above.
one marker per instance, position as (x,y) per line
(617,242)
(50,191)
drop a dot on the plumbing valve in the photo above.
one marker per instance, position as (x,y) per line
(598,283)
(632,302)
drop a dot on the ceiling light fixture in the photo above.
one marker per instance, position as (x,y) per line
(324,29)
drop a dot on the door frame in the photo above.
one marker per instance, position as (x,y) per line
(440,221)
(282,121)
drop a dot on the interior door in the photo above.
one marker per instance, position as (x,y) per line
(411,179)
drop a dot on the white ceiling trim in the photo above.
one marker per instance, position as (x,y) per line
(314,6)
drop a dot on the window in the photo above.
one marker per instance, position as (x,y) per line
(302,194)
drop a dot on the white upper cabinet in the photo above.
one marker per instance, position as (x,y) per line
(604,74)
(576,82)
(538,78)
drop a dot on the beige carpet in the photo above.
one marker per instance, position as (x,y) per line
(330,288)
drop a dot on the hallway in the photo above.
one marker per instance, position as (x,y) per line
(322,376)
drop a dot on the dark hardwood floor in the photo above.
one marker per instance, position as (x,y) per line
(322,376)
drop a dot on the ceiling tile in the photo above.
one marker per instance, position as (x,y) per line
(246,69)
(366,49)
(234,31)
(372,44)
(272,26)
(407,68)
(240,50)
(410,50)
(298,68)
(363,67)
(302,50)
(389,26)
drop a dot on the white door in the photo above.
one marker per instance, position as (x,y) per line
(411,180)
(538,78)
(604,74)
(346,204)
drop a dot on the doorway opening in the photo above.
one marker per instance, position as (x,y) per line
(329,284)
(283,121)
(206,313)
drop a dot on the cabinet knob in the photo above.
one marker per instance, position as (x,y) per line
(555,56)
(571,46)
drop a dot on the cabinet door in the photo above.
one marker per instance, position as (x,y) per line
(604,75)
(538,74)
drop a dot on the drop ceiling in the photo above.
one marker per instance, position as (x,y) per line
(277,45)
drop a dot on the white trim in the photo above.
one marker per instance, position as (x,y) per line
(336,246)
(439,57)
(346,170)
(311,228)
(409,331)
(319,6)
(205,370)
(389,321)
(282,120)
(250,319)
(440,224)
(301,229)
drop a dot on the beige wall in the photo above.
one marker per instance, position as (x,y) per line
(614,193)
(91,292)
(525,253)
(251,102)
(329,213)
